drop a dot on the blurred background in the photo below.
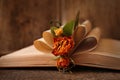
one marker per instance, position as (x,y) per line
(23,21)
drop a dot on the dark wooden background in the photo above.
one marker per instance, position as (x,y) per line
(23,21)
(104,14)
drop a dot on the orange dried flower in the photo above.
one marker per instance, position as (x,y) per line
(62,45)
(63,62)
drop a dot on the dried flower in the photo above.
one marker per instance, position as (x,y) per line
(62,45)
(63,62)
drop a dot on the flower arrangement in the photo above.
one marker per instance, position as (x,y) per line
(62,46)
(62,41)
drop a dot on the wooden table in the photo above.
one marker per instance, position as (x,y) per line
(79,73)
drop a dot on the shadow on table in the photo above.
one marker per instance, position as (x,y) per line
(74,69)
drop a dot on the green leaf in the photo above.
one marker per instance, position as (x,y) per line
(52,30)
(68,28)
(77,19)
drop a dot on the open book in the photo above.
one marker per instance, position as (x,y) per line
(91,51)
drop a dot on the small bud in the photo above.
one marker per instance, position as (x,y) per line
(63,62)
(58,31)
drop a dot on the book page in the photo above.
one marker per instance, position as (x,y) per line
(27,57)
(103,56)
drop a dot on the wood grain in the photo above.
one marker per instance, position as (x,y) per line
(103,14)
(23,21)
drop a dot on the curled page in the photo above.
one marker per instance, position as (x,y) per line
(80,34)
(90,42)
(41,45)
(48,37)
(81,31)
(87,25)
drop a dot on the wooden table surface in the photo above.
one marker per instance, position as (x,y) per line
(78,73)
